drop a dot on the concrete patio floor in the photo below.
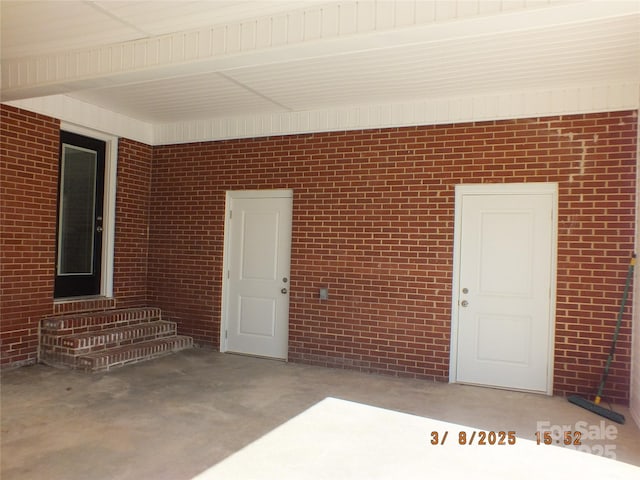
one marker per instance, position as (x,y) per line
(175,417)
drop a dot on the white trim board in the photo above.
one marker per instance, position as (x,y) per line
(90,116)
(499,106)
(634,400)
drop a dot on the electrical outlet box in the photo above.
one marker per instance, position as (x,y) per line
(324,293)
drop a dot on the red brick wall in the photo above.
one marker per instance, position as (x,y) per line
(132,223)
(28,192)
(185,238)
(373,221)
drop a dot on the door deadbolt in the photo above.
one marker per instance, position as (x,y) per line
(465,290)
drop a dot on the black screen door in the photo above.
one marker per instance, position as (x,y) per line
(80,203)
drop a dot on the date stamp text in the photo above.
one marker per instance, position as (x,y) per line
(475,437)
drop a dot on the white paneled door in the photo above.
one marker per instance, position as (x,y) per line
(504,289)
(258,253)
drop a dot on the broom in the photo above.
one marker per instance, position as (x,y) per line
(595,405)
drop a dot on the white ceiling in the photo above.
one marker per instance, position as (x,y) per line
(346,53)
(31,27)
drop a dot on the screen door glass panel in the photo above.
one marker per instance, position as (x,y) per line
(77,211)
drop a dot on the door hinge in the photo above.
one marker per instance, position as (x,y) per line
(230,214)
(228,274)
(225,335)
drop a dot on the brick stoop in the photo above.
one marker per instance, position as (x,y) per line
(100,341)
(134,353)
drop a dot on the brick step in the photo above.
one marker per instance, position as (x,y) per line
(97,321)
(137,352)
(100,341)
(83,343)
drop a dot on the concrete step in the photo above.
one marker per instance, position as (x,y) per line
(97,321)
(137,352)
(82,343)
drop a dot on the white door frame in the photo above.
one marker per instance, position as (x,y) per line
(236,194)
(109,206)
(503,189)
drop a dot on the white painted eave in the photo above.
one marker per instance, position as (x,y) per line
(279,70)
(258,43)
(90,116)
(506,105)
(509,105)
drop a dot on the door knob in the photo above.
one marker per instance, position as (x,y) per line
(98,228)
(284,290)
(464,303)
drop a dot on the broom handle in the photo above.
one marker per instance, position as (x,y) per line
(615,335)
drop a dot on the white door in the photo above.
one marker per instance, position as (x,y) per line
(258,256)
(504,290)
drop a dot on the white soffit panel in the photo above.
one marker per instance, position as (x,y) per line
(506,105)
(591,53)
(37,27)
(90,116)
(44,27)
(193,97)
(208,70)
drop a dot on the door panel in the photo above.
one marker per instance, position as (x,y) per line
(257,316)
(506,239)
(80,213)
(259,244)
(259,252)
(504,317)
(514,327)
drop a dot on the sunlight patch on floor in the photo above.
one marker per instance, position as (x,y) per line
(347,440)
